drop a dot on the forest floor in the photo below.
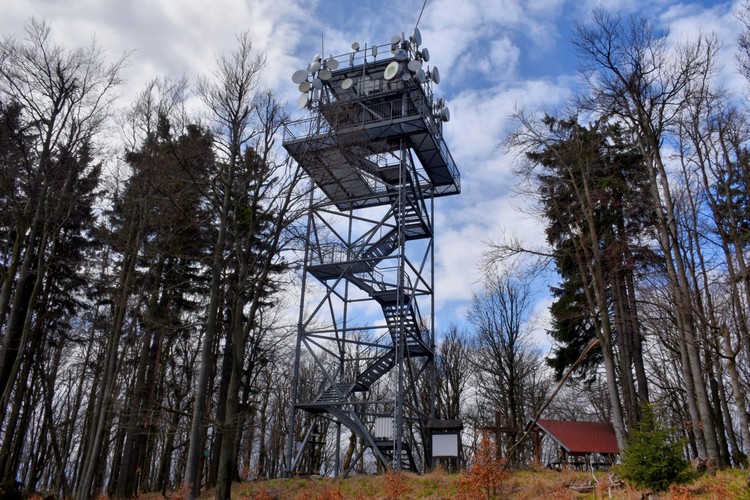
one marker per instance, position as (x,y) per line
(535,484)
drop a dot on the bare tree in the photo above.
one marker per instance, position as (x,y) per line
(64,96)
(635,75)
(454,372)
(229,95)
(507,364)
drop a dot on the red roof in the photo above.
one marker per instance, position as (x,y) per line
(581,437)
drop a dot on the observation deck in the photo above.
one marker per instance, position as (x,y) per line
(363,117)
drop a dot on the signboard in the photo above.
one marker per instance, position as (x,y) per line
(445,445)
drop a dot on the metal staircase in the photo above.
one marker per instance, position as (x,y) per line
(374,152)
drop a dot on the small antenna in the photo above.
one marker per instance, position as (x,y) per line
(420,14)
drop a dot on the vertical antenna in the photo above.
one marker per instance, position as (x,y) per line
(420,14)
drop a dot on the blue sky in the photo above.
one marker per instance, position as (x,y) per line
(493,55)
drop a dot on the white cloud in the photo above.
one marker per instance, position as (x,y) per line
(486,52)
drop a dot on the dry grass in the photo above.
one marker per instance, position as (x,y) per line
(531,484)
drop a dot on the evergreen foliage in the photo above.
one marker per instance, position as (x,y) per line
(653,458)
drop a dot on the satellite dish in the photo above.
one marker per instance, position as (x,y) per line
(317,83)
(406,76)
(347,83)
(401,54)
(425,55)
(417,36)
(395,39)
(316,58)
(374,51)
(325,74)
(435,75)
(299,76)
(414,65)
(314,67)
(391,70)
(355,46)
(332,63)
(302,101)
(445,114)
(421,76)
(304,87)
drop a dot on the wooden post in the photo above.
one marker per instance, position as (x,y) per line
(498,435)
(537,437)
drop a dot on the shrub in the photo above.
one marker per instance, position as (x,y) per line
(486,472)
(653,459)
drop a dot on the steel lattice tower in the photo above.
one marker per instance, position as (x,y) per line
(374,151)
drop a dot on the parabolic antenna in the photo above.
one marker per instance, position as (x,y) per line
(325,74)
(347,83)
(391,70)
(395,39)
(415,65)
(406,76)
(401,54)
(302,101)
(317,83)
(355,46)
(304,86)
(315,67)
(421,76)
(417,36)
(425,55)
(445,114)
(435,75)
(299,76)
(332,63)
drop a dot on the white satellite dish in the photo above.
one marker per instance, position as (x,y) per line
(445,115)
(325,74)
(304,86)
(391,70)
(347,83)
(435,75)
(395,39)
(417,36)
(421,76)
(414,65)
(355,46)
(302,101)
(406,76)
(425,55)
(316,58)
(314,67)
(299,76)
(332,63)
(317,83)
(401,54)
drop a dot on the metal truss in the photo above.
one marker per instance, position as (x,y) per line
(374,151)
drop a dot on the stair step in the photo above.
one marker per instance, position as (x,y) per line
(332,394)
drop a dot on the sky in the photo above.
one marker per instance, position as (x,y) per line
(494,56)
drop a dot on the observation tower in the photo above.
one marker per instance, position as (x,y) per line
(374,151)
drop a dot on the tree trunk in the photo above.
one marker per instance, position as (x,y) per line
(192,479)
